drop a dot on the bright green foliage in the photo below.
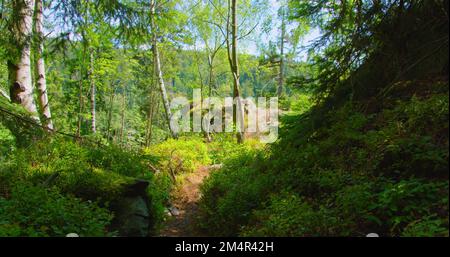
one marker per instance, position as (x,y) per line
(224,148)
(7,141)
(36,211)
(182,155)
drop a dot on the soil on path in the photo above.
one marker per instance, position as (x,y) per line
(185,205)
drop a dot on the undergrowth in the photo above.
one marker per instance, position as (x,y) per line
(360,171)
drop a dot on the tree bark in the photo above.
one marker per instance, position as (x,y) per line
(159,74)
(81,104)
(234,65)
(92,84)
(111,106)
(122,121)
(149,129)
(283,32)
(19,63)
(41,83)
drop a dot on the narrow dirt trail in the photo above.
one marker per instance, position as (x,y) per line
(185,200)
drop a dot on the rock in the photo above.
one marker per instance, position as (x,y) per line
(131,211)
(138,188)
(134,216)
(372,235)
(174,211)
(72,235)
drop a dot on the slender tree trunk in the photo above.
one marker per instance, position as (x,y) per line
(239,113)
(81,103)
(211,73)
(19,62)
(206,132)
(283,32)
(154,111)
(92,84)
(122,126)
(111,105)
(150,115)
(152,99)
(41,83)
(210,82)
(159,74)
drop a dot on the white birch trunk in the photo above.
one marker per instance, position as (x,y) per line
(157,63)
(19,65)
(41,83)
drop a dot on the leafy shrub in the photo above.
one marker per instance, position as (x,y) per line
(289,215)
(231,193)
(347,171)
(302,104)
(224,147)
(7,141)
(182,155)
(35,211)
(117,160)
(427,227)
(159,194)
(403,203)
(86,171)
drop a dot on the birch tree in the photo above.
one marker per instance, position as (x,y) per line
(41,83)
(282,39)
(158,71)
(19,61)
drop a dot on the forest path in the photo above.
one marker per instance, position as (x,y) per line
(183,211)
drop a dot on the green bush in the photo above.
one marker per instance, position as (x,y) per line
(182,155)
(427,227)
(159,195)
(89,172)
(231,194)
(7,142)
(35,211)
(72,167)
(351,170)
(224,147)
(289,215)
(117,160)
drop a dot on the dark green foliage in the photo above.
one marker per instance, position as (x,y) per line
(159,195)
(231,195)
(89,172)
(77,173)
(7,141)
(384,172)
(36,211)
(376,43)
(372,154)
